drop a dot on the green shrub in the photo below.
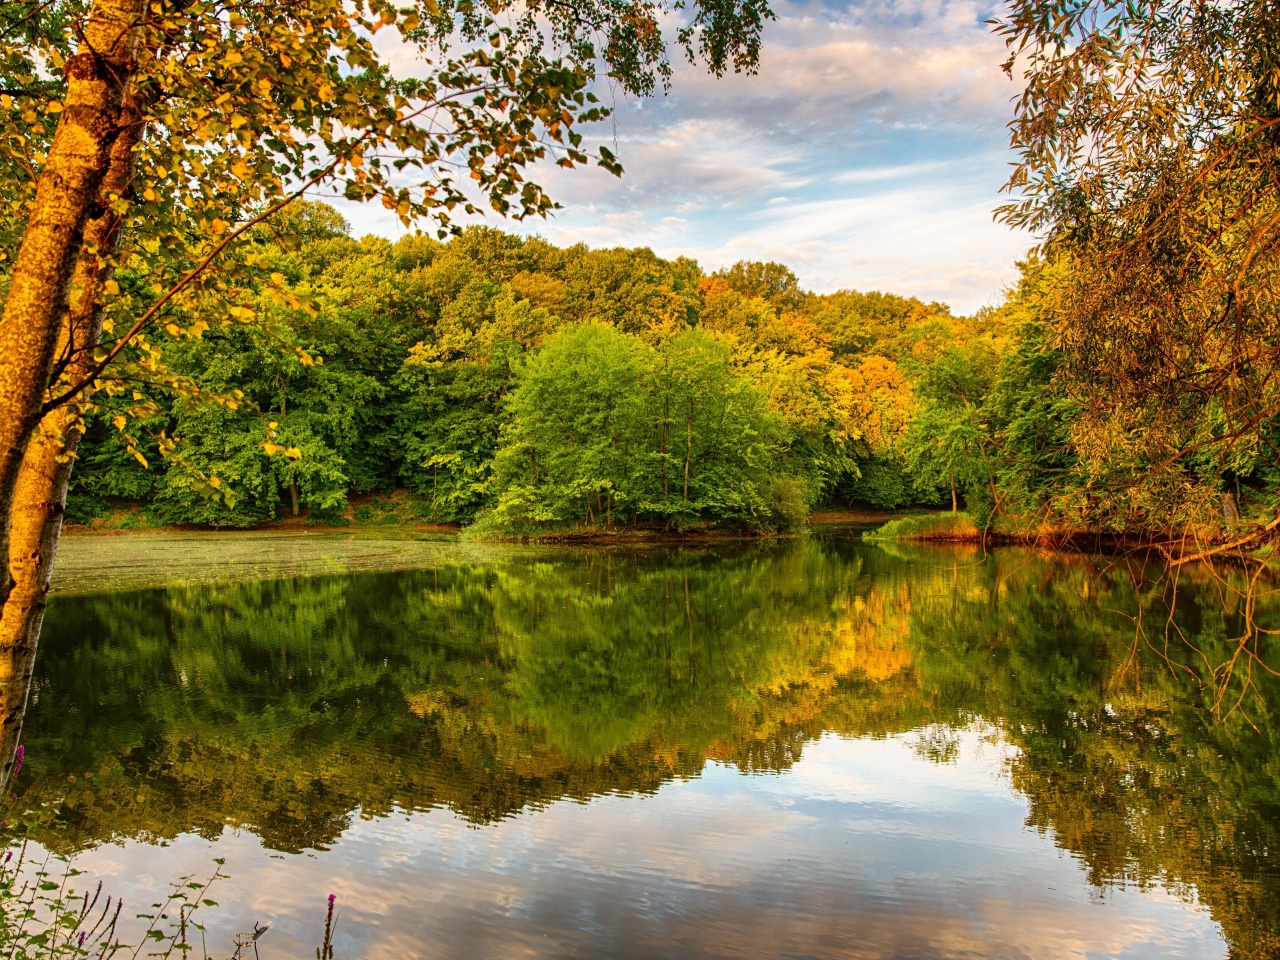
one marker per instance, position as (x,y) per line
(882,483)
(788,503)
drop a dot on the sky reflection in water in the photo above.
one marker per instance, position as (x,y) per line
(862,849)
(773,752)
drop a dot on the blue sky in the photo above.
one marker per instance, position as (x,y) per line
(867,153)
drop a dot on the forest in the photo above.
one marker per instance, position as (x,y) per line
(507,381)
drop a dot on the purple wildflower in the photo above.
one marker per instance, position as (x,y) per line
(8,856)
(17,761)
(332,897)
(81,943)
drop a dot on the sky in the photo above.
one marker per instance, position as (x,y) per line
(867,153)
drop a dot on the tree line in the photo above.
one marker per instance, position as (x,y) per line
(533,388)
(528,386)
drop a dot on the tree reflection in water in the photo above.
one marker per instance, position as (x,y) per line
(287,707)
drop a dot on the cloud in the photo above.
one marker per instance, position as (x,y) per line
(868,152)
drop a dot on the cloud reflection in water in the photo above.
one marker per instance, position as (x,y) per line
(864,848)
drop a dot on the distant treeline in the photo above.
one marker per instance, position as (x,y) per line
(508,379)
(512,383)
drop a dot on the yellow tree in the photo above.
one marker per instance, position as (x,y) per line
(1150,163)
(158,134)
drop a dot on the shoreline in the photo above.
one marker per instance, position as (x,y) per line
(586,536)
(946,529)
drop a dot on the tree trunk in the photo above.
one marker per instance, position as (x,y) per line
(688,453)
(67,193)
(666,434)
(954,506)
(293,497)
(40,493)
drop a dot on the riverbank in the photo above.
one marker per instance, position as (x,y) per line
(91,561)
(961,528)
(402,511)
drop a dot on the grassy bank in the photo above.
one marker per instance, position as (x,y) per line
(936,527)
(1006,531)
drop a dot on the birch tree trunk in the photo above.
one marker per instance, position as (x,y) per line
(40,491)
(67,194)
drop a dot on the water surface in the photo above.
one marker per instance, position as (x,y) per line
(813,748)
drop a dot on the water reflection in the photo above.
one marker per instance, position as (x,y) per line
(923,706)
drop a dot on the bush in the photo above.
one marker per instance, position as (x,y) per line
(883,484)
(788,503)
(392,510)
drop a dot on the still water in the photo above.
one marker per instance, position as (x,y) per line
(814,748)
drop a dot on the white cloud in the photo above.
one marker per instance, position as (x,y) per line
(868,152)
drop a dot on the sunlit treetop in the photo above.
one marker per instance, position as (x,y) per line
(256,99)
(1119,91)
(1149,164)
(432,110)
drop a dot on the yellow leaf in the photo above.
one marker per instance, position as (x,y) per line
(220,226)
(272,425)
(111,288)
(293,453)
(140,458)
(215,482)
(119,422)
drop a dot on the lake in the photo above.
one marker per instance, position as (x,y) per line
(817,747)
